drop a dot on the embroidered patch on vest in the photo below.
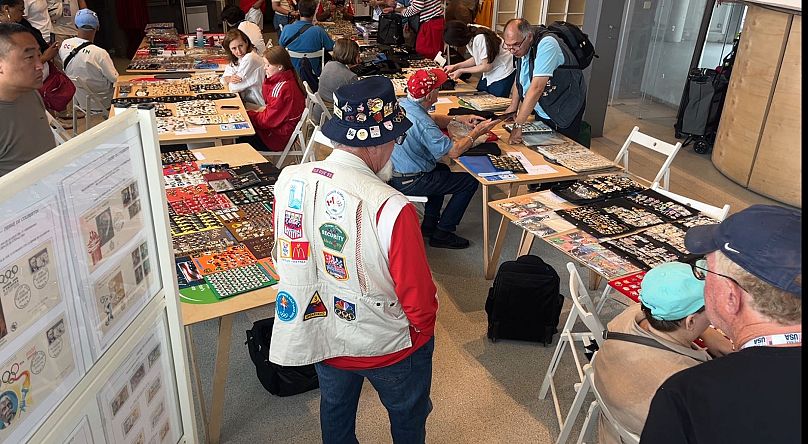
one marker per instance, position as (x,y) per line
(323,172)
(293,225)
(296,188)
(316,308)
(297,251)
(285,307)
(335,204)
(333,236)
(344,309)
(335,266)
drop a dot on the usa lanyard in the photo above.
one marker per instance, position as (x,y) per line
(785,338)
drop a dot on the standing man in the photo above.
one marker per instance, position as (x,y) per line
(303,36)
(234,17)
(24,130)
(62,14)
(284,14)
(753,293)
(559,102)
(417,171)
(89,62)
(356,295)
(36,12)
(254,11)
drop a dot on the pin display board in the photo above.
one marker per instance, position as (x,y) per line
(91,343)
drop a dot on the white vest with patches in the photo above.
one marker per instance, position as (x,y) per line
(336,296)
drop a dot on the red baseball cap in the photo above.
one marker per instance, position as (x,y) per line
(423,82)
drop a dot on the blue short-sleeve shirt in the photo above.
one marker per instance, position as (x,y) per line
(549,56)
(313,39)
(424,145)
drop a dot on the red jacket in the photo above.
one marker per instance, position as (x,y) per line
(285,103)
(245,5)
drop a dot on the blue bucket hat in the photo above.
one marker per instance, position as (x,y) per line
(87,19)
(764,240)
(671,291)
(366,113)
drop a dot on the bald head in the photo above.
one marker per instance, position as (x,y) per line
(518,36)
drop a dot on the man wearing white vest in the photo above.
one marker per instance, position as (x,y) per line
(356,295)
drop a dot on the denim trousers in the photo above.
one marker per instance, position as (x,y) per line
(436,184)
(403,389)
(278,21)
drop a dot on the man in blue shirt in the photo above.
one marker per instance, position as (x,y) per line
(312,38)
(518,38)
(416,170)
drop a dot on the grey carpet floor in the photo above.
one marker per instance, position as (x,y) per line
(482,392)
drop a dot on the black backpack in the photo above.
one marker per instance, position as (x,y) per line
(391,29)
(576,41)
(524,303)
(277,379)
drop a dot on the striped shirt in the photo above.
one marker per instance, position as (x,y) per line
(429,9)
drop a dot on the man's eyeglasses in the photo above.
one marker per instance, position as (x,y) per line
(400,139)
(699,267)
(510,47)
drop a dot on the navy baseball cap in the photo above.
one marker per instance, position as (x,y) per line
(366,113)
(764,240)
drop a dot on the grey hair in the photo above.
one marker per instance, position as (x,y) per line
(421,100)
(523,26)
(342,146)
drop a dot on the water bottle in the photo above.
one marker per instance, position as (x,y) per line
(366,36)
(200,37)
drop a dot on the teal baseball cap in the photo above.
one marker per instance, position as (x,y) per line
(671,291)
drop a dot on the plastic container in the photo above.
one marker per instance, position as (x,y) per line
(200,36)
(366,37)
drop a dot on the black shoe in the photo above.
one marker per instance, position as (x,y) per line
(427,230)
(445,239)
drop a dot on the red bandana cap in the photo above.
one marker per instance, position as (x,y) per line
(423,82)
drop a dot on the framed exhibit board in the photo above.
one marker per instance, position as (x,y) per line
(91,343)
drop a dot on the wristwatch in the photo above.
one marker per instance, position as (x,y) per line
(518,125)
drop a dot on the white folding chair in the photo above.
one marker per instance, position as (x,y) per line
(60,134)
(310,55)
(316,100)
(85,105)
(583,309)
(597,407)
(652,144)
(297,137)
(718,213)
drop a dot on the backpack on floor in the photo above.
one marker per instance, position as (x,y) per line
(524,303)
(277,379)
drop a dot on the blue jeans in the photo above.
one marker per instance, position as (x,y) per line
(500,88)
(403,389)
(279,20)
(436,184)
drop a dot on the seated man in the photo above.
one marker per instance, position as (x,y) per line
(671,314)
(234,17)
(415,162)
(82,59)
(303,36)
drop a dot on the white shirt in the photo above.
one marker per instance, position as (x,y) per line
(251,70)
(503,62)
(254,33)
(93,65)
(61,13)
(36,12)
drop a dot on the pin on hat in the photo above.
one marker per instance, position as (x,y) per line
(366,113)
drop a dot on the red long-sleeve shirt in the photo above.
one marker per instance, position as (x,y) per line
(285,103)
(414,287)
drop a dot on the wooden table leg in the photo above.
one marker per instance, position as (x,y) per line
(220,377)
(197,377)
(594,280)
(490,263)
(526,243)
(486,257)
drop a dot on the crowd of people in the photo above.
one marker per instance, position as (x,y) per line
(360,302)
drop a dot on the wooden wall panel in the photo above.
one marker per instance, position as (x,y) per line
(777,170)
(750,89)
